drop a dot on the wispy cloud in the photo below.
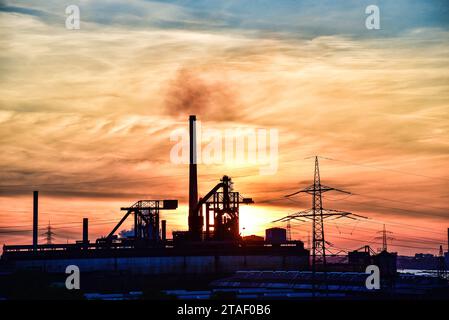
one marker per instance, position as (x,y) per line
(87,114)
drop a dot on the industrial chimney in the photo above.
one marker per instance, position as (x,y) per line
(35,218)
(195,220)
(164,230)
(85,231)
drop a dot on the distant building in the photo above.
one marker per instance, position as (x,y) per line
(386,261)
(359,260)
(276,235)
(253,238)
(424,256)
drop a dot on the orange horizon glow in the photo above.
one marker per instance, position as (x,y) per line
(86,118)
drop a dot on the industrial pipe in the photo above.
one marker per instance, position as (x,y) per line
(35,218)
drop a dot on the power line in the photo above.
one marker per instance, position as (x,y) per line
(374,205)
(80,182)
(423,239)
(60,223)
(404,225)
(58,228)
(406,210)
(394,245)
(400,201)
(99,182)
(385,169)
(407,226)
(428,241)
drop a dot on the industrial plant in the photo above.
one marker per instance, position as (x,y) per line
(211,258)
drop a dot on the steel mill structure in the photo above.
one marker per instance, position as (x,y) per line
(213,256)
(211,245)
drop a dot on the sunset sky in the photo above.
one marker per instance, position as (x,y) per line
(86,115)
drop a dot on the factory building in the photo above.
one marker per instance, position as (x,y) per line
(276,236)
(359,259)
(211,245)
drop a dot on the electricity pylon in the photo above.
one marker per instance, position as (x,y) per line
(49,234)
(317,214)
(289,231)
(385,237)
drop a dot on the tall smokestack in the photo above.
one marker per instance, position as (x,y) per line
(164,230)
(35,218)
(194,220)
(85,231)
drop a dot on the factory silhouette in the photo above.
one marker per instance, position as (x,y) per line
(211,258)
